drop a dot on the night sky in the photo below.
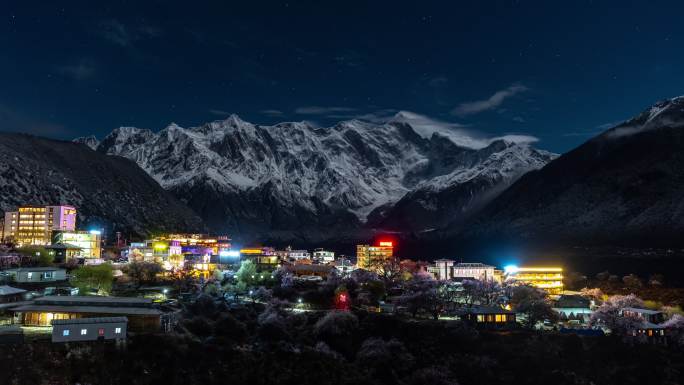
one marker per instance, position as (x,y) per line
(558,73)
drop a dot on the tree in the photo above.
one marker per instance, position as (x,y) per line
(247,273)
(656,280)
(97,278)
(532,302)
(675,322)
(421,294)
(480,292)
(143,272)
(632,281)
(609,314)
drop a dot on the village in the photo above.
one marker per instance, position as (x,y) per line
(59,283)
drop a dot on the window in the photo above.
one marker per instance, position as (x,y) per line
(47,275)
(480,318)
(29,275)
(84,332)
(100,332)
(500,318)
(117,330)
(65,332)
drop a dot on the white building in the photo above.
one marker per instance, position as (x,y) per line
(323,256)
(478,271)
(442,269)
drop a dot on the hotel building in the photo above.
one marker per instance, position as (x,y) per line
(549,279)
(33,225)
(372,257)
(89,243)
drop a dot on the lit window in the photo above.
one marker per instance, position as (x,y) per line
(84,332)
(100,332)
(29,275)
(65,332)
(480,318)
(500,318)
(117,330)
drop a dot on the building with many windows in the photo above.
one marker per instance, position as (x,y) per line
(323,256)
(33,225)
(89,243)
(373,257)
(549,279)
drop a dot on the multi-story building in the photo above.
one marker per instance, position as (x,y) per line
(546,278)
(446,269)
(373,257)
(33,225)
(442,269)
(478,271)
(290,255)
(323,256)
(263,257)
(89,242)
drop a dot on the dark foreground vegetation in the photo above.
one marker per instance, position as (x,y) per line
(273,345)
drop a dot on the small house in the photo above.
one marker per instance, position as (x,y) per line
(11,294)
(488,317)
(36,274)
(89,329)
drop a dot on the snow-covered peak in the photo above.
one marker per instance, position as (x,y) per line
(90,141)
(665,113)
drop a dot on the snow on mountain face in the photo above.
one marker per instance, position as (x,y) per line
(293,176)
(90,141)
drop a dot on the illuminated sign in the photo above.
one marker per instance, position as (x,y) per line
(386,243)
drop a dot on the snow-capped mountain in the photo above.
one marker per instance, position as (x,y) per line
(624,186)
(296,178)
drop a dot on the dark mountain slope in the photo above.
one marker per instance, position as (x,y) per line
(625,186)
(108,191)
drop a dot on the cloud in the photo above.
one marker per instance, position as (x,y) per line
(494,101)
(456,132)
(126,34)
(350,59)
(318,110)
(272,112)
(80,71)
(219,112)
(518,119)
(438,82)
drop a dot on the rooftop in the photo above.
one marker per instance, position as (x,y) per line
(76,299)
(9,290)
(122,310)
(33,269)
(486,310)
(89,320)
(641,311)
(471,265)
(63,246)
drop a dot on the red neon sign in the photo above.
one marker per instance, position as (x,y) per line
(386,243)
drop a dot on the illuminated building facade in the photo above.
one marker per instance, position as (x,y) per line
(33,225)
(263,257)
(323,256)
(293,255)
(478,271)
(372,257)
(89,242)
(549,279)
